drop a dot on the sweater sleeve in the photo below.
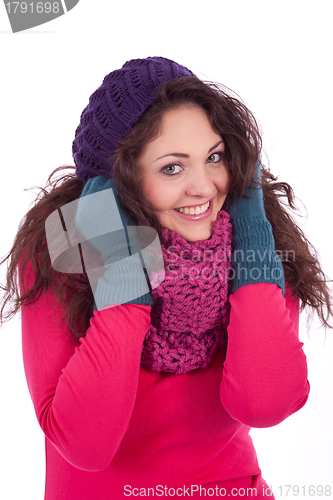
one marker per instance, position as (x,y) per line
(83,394)
(265,371)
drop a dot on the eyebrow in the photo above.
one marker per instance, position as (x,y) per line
(183,155)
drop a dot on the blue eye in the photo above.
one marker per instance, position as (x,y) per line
(215,157)
(171,169)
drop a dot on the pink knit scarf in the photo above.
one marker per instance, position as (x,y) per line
(191,309)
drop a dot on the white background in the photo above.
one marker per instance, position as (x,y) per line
(278,57)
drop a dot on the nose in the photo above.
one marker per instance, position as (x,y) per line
(200,184)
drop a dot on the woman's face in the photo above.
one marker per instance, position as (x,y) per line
(184,175)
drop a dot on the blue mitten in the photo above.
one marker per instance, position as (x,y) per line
(99,218)
(254,258)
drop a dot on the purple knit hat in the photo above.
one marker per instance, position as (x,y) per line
(114,107)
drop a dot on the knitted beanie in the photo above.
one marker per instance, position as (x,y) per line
(114,108)
(190,312)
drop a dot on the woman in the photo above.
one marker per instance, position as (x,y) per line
(150,387)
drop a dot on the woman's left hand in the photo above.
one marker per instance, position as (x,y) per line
(254,258)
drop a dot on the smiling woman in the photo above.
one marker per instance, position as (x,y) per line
(163,389)
(186,195)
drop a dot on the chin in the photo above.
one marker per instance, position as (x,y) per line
(198,238)
(190,232)
(192,236)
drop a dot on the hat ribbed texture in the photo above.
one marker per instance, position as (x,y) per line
(114,107)
(190,313)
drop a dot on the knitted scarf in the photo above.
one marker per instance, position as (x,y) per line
(190,313)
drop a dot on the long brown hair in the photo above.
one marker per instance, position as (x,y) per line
(231,119)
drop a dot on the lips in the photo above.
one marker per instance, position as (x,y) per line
(195,212)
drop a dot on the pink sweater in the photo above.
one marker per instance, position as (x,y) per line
(116,430)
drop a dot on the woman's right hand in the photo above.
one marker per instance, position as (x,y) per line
(101,220)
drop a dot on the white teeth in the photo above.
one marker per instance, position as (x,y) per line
(194,210)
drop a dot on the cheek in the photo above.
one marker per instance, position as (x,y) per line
(149,190)
(158,195)
(225,183)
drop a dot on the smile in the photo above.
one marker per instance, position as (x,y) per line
(197,210)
